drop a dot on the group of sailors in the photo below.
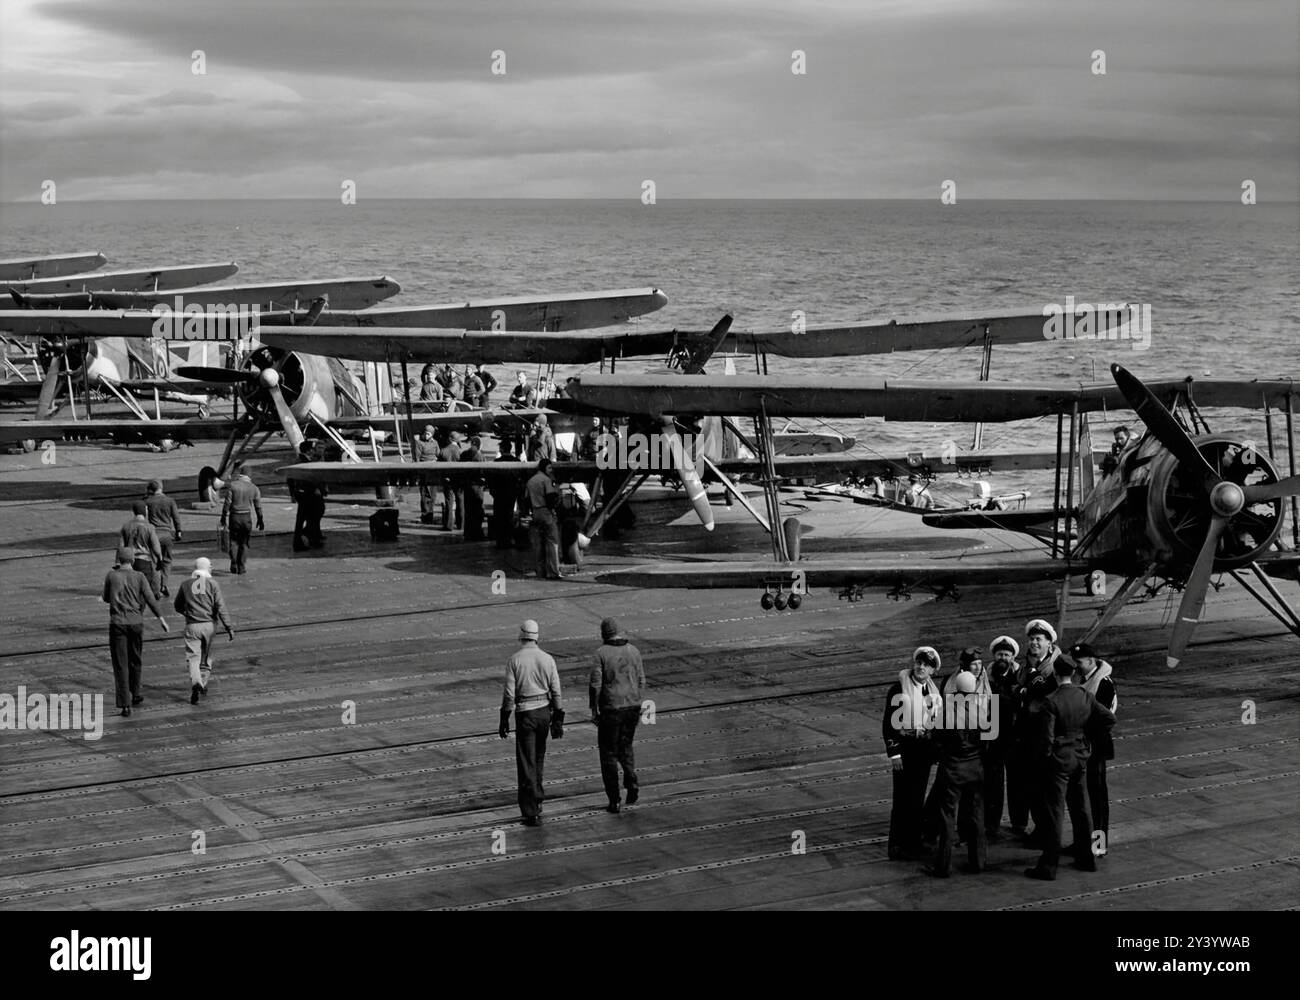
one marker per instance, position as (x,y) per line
(1035,734)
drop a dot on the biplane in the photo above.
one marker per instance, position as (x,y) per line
(1180,505)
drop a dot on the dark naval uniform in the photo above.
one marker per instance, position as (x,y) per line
(961,789)
(1067,714)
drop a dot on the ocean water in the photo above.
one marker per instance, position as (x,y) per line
(1223,280)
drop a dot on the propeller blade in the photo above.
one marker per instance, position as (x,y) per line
(287,420)
(695,490)
(1272,491)
(1163,425)
(1189,609)
(211,374)
(49,387)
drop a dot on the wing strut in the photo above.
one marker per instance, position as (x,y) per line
(734,490)
(1121,597)
(763,438)
(616,500)
(986,366)
(1282,610)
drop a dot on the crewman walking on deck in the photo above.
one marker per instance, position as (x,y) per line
(138,533)
(200,603)
(543,498)
(127,593)
(243,500)
(165,517)
(912,707)
(1093,674)
(614,693)
(961,775)
(532,689)
(1067,715)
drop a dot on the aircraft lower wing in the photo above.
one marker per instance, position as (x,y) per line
(369,474)
(197,429)
(921,334)
(1027,521)
(439,345)
(130,323)
(342,293)
(893,399)
(884,571)
(154,280)
(30,268)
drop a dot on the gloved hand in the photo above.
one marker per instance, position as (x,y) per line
(504,730)
(261,525)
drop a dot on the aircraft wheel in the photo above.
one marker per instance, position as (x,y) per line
(1097,583)
(794,602)
(780,602)
(766,601)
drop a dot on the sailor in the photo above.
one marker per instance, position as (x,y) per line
(165,517)
(140,535)
(426,450)
(595,443)
(912,707)
(1036,680)
(474,388)
(473,495)
(614,693)
(960,774)
(127,592)
(1093,674)
(504,488)
(522,396)
(541,441)
(310,498)
(243,500)
(489,383)
(430,388)
(200,602)
(449,382)
(453,507)
(1067,715)
(543,498)
(998,751)
(532,689)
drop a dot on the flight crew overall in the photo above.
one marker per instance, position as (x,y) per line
(505,494)
(541,441)
(138,533)
(1036,680)
(311,508)
(543,498)
(970,661)
(243,500)
(127,593)
(426,450)
(1068,714)
(532,689)
(165,517)
(473,495)
(960,775)
(200,602)
(912,707)
(997,752)
(1093,674)
(614,694)
(453,507)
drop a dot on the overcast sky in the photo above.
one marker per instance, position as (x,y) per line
(696,95)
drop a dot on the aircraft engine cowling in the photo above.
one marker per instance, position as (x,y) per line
(1180,512)
(305,381)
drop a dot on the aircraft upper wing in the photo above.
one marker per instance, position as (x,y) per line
(430,344)
(842,571)
(130,323)
(343,293)
(367,474)
(893,399)
(921,334)
(156,279)
(29,268)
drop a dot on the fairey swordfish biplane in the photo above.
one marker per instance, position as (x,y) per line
(1180,504)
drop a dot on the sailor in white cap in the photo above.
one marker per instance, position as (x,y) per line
(1037,680)
(532,689)
(912,710)
(199,602)
(1001,780)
